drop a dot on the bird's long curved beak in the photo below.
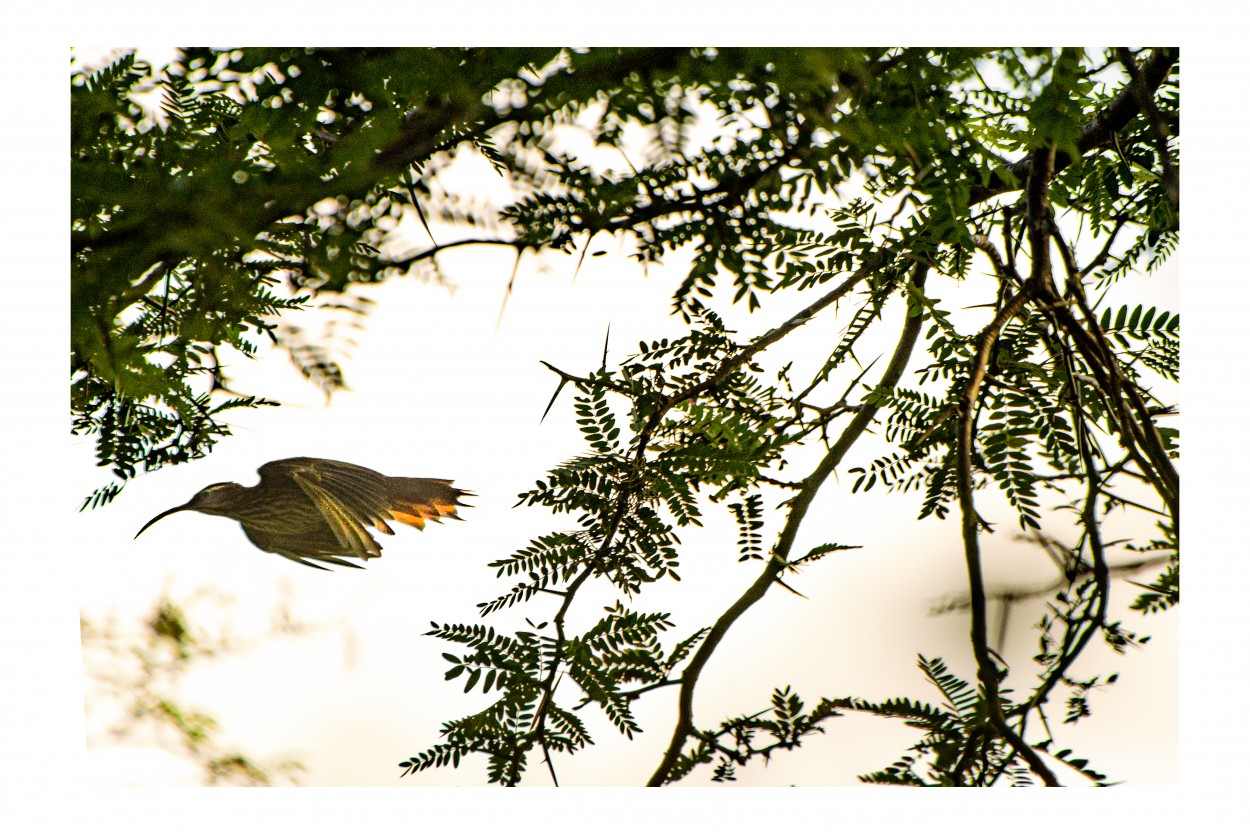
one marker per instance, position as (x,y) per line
(170,511)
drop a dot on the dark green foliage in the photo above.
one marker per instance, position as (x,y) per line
(1136,325)
(1160,332)
(737,741)
(615,493)
(959,747)
(269,177)
(622,648)
(1005,459)
(1165,591)
(749,516)
(276,174)
(1161,594)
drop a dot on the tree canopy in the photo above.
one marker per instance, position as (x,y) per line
(270,180)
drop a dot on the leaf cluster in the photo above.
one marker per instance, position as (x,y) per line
(959,747)
(783,726)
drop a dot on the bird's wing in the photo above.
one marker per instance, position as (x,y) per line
(262,540)
(348,496)
(321,558)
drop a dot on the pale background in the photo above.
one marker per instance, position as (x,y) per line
(346,701)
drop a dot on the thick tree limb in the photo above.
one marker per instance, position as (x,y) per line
(1110,121)
(1158,126)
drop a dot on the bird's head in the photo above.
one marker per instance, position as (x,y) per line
(214,499)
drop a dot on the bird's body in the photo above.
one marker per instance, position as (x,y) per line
(318,509)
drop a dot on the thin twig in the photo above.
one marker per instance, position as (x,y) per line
(1102,575)
(434,251)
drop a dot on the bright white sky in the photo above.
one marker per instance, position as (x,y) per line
(438,391)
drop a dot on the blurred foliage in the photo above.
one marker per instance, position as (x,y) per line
(272,177)
(137,674)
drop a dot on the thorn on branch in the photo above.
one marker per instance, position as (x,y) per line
(565,376)
(779,581)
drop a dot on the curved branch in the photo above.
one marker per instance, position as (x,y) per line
(424,254)
(987,669)
(799,506)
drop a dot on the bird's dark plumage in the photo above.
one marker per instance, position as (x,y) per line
(318,509)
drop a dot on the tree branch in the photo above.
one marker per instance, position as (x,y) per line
(425,254)
(1158,127)
(987,669)
(1139,435)
(1111,120)
(779,559)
